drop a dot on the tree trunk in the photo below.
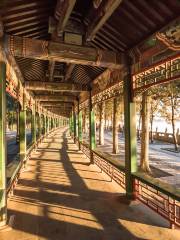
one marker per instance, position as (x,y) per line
(101,127)
(151,132)
(84,122)
(139,124)
(115,127)
(105,122)
(144,163)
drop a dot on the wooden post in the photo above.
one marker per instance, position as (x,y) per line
(130,134)
(34,123)
(91,128)
(74,124)
(18,113)
(115,126)
(22,129)
(39,123)
(45,124)
(3,196)
(48,125)
(70,125)
(101,127)
(80,126)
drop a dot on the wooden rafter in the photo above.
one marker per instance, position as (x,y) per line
(103,12)
(62,13)
(55,86)
(48,50)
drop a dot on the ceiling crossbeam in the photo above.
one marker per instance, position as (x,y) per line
(55,86)
(49,50)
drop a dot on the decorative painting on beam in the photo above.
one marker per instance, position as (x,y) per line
(13,86)
(160,46)
(107,79)
(157,60)
(170,36)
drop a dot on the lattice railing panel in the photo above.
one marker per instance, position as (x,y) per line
(113,172)
(159,202)
(85,150)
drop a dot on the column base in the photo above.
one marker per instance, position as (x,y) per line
(126,198)
(4,227)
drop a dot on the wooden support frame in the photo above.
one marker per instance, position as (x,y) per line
(59,109)
(3,196)
(92,136)
(60,52)
(69,71)
(57,104)
(51,70)
(104,11)
(55,86)
(115,126)
(60,98)
(102,123)
(62,14)
(130,135)
(22,130)
(34,127)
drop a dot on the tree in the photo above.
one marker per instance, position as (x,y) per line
(154,107)
(170,106)
(144,161)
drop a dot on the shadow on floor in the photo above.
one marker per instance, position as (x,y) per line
(62,206)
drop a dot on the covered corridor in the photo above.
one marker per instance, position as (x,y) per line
(62,196)
(89,119)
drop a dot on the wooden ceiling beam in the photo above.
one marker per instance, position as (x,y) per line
(61,113)
(62,98)
(65,109)
(62,13)
(103,12)
(51,70)
(69,71)
(55,86)
(58,104)
(60,52)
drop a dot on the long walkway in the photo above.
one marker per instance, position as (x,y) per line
(61,196)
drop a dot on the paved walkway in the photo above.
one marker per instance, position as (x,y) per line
(164,165)
(61,196)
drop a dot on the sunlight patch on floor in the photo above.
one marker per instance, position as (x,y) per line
(148,231)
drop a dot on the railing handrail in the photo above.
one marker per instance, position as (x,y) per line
(158,185)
